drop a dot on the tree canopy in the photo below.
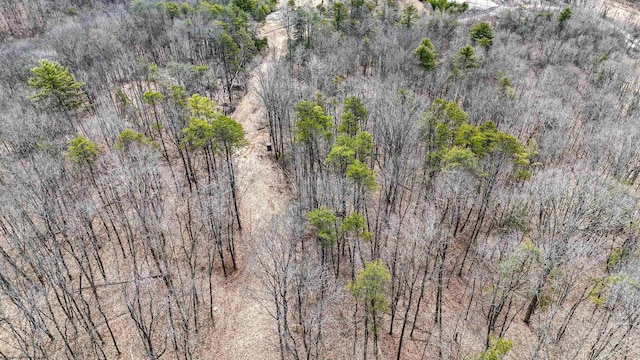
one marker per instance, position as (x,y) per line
(426,54)
(54,81)
(83,150)
(482,34)
(324,222)
(312,121)
(370,287)
(228,132)
(454,143)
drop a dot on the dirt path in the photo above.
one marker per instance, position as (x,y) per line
(244,329)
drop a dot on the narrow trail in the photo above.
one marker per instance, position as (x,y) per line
(244,329)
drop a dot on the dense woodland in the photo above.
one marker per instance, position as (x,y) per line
(458,185)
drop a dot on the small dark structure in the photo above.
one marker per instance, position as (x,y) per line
(269,148)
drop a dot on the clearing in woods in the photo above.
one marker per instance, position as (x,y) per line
(244,329)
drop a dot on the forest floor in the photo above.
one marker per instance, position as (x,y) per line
(244,329)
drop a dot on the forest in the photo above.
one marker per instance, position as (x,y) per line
(361,179)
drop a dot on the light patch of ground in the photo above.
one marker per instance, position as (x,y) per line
(479,4)
(244,329)
(419,5)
